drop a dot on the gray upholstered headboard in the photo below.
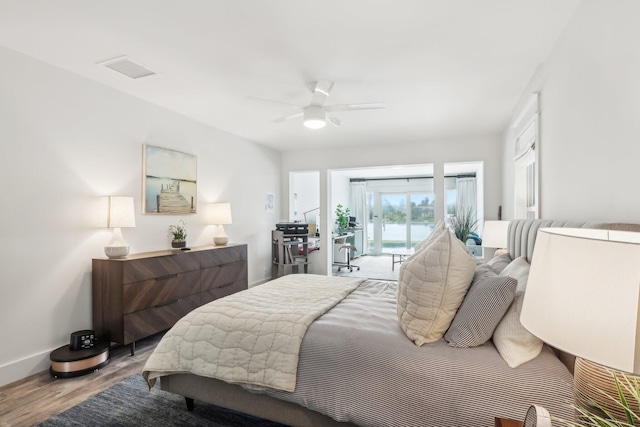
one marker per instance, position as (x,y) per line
(522,232)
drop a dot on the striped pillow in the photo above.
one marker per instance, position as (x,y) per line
(487,300)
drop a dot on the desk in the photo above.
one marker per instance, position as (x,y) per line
(339,240)
(357,240)
(401,255)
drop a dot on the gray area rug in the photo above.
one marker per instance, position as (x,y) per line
(130,403)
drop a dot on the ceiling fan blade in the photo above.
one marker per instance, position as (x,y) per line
(334,121)
(321,90)
(351,107)
(274,102)
(289,117)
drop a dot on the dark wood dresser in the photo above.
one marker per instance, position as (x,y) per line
(146,293)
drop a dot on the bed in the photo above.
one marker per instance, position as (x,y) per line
(356,366)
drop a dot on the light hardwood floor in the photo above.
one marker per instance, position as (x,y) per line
(34,399)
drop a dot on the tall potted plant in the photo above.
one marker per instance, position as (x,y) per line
(464,223)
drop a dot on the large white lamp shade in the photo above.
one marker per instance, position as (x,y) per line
(120,213)
(582,297)
(220,215)
(582,294)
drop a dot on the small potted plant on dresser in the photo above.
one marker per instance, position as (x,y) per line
(179,235)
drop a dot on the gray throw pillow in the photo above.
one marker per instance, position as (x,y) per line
(500,262)
(486,302)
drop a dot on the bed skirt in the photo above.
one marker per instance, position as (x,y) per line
(232,396)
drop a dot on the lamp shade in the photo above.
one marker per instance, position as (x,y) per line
(219,214)
(495,234)
(583,293)
(120,212)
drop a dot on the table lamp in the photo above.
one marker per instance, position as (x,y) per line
(220,215)
(495,235)
(120,213)
(582,297)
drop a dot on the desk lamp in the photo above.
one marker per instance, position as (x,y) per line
(220,215)
(582,297)
(120,213)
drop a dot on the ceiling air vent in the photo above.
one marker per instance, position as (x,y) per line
(128,67)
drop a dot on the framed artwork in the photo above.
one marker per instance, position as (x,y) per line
(169,181)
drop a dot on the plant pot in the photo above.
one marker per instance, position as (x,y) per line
(177,244)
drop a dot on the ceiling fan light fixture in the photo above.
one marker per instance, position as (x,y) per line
(315,117)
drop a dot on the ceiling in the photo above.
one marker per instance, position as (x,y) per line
(445,68)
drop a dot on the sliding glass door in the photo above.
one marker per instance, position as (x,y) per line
(394,221)
(398,220)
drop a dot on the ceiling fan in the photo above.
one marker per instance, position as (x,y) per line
(317,114)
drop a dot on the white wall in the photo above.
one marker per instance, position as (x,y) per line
(340,195)
(307,186)
(590,109)
(487,149)
(64,142)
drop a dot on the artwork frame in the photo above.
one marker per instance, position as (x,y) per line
(169,181)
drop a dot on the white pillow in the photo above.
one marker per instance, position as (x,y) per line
(431,287)
(438,229)
(515,344)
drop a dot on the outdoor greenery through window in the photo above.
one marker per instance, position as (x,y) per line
(400,214)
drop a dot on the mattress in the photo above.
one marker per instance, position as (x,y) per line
(356,365)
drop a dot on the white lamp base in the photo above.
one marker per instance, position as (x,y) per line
(117,247)
(221,238)
(499,252)
(116,251)
(220,241)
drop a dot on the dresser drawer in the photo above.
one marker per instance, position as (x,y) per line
(152,320)
(224,255)
(161,290)
(222,275)
(222,291)
(137,270)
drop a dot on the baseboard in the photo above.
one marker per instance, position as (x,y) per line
(23,368)
(259,282)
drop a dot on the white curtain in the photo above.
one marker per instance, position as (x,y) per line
(358,208)
(466,196)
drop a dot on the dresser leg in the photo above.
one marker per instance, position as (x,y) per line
(132,347)
(190,403)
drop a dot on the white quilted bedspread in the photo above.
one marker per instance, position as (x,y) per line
(252,337)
